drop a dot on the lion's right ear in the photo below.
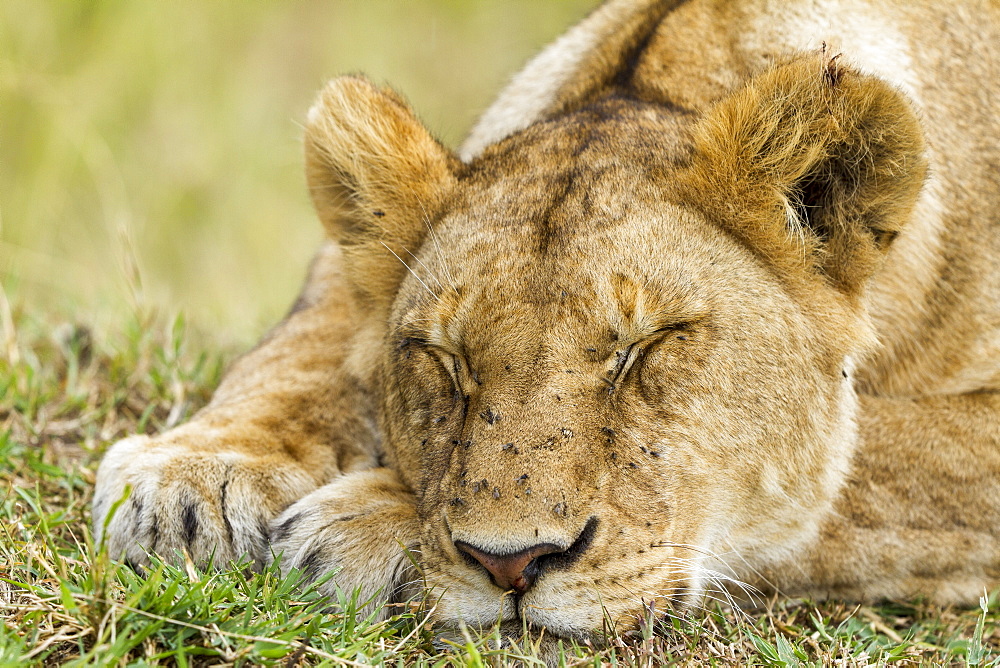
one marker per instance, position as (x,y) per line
(377,179)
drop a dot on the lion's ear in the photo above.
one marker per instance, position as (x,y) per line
(377,179)
(814,165)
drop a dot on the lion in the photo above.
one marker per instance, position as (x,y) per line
(709,298)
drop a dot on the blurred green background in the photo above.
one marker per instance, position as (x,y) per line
(150,152)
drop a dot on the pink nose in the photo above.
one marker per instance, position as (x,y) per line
(516,571)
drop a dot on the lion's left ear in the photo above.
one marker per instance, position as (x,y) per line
(814,165)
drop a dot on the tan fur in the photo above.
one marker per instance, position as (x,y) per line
(713,299)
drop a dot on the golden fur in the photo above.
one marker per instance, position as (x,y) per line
(711,297)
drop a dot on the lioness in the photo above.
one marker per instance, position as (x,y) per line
(711,293)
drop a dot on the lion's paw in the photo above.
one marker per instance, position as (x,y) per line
(214,504)
(361,525)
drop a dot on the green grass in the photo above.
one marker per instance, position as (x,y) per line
(66,393)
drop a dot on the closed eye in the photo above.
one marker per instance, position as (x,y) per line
(456,373)
(408,343)
(625,359)
(449,364)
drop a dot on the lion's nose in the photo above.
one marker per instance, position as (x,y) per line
(516,571)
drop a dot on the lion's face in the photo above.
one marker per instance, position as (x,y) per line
(614,352)
(592,378)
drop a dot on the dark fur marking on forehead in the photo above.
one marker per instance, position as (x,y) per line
(619,120)
(547,231)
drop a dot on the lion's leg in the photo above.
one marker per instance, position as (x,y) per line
(287,418)
(359,525)
(920,514)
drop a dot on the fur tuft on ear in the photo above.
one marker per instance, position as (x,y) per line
(377,179)
(814,165)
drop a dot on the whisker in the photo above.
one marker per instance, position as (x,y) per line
(713,581)
(426,268)
(666,613)
(437,247)
(754,570)
(410,270)
(412,321)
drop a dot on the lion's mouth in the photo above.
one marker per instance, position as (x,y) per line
(585,616)
(575,593)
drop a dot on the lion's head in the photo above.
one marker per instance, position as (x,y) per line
(613,352)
